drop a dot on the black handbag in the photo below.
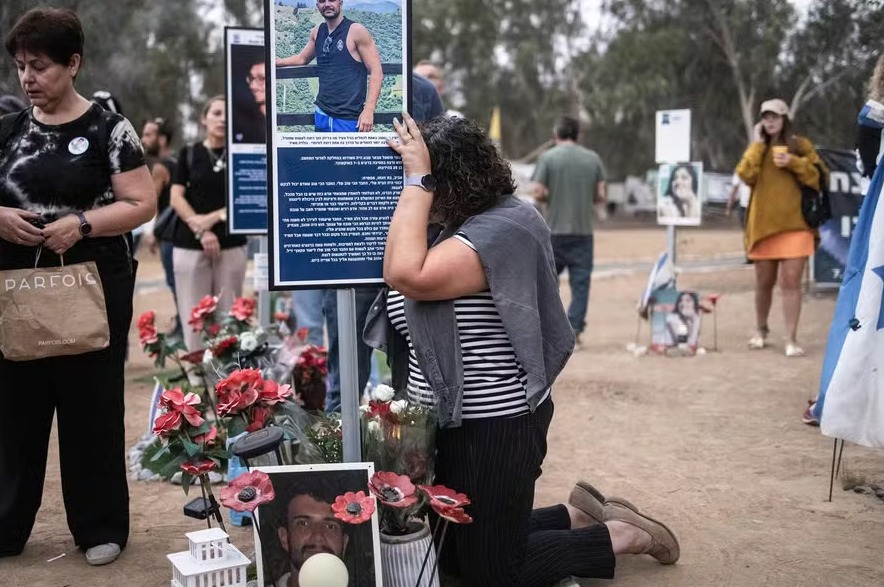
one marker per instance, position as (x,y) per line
(165,225)
(815,205)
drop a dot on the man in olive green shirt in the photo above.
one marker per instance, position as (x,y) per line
(570,179)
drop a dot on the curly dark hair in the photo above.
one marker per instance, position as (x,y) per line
(471,174)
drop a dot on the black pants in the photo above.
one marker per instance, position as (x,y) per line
(86,391)
(496,463)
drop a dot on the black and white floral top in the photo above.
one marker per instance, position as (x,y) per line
(56,170)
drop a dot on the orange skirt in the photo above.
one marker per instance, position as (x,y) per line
(794,244)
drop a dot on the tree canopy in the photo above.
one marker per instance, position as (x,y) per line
(720,58)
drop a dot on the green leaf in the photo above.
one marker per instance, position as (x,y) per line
(186,481)
(160,453)
(191,448)
(201,429)
(173,466)
(236,427)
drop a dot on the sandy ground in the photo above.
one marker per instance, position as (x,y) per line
(712,445)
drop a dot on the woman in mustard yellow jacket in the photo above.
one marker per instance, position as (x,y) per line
(777,239)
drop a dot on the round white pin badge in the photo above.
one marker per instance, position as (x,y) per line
(78,145)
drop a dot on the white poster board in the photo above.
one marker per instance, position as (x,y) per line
(673,138)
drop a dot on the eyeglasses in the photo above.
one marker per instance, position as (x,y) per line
(257,78)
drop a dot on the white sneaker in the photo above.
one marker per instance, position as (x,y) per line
(102,554)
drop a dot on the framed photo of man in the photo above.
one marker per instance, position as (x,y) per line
(339,65)
(340,76)
(300,523)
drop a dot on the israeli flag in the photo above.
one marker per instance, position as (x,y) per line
(851,399)
(662,275)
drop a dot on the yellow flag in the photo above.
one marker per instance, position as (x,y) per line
(494,130)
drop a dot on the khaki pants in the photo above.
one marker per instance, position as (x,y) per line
(197,276)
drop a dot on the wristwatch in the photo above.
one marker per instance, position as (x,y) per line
(425,182)
(85,226)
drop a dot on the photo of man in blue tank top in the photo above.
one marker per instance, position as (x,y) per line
(345,54)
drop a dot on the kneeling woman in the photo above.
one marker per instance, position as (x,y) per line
(474,325)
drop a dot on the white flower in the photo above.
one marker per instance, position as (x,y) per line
(382,393)
(398,406)
(374,428)
(208,357)
(248,342)
(365,408)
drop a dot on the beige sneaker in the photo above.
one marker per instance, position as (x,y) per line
(102,554)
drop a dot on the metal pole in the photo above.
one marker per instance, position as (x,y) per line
(349,371)
(832,475)
(263,294)
(671,243)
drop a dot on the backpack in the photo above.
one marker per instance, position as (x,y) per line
(166,224)
(815,205)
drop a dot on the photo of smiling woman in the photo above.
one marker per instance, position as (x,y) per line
(678,194)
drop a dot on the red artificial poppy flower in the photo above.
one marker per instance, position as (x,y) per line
(273,393)
(207,439)
(259,418)
(379,409)
(147,335)
(441,496)
(174,400)
(199,467)
(167,423)
(239,391)
(353,508)
(393,490)
(243,309)
(224,345)
(456,515)
(247,492)
(447,503)
(147,319)
(205,308)
(712,299)
(194,357)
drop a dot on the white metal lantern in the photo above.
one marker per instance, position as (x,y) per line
(211,561)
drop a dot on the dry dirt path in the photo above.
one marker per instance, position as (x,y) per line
(712,445)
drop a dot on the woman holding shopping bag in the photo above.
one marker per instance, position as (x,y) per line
(207,260)
(73,183)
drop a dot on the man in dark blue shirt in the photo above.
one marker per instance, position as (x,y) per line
(345,53)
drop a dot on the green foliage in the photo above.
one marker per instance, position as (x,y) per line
(159,58)
(538,60)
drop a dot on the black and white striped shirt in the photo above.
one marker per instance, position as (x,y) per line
(494,380)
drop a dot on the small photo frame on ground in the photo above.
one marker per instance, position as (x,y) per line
(675,321)
(299,523)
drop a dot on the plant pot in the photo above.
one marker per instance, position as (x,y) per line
(402,556)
